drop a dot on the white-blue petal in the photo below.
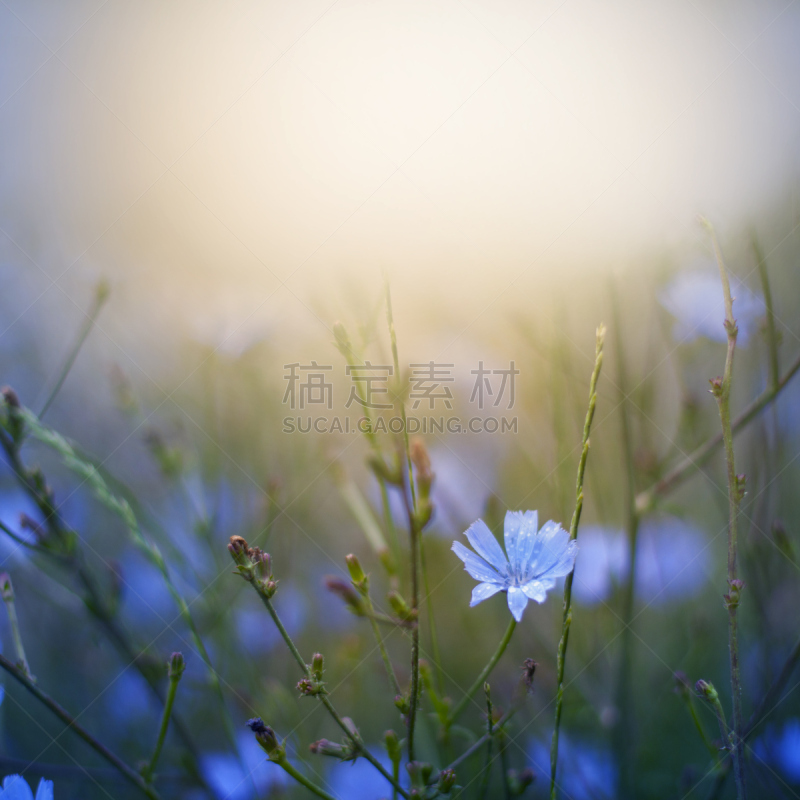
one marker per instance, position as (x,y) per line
(483,591)
(475,565)
(45,790)
(517,524)
(516,602)
(15,787)
(553,553)
(537,590)
(486,546)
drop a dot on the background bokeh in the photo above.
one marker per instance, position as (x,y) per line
(243,175)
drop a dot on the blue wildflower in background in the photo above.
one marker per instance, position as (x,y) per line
(696,300)
(535,559)
(15,787)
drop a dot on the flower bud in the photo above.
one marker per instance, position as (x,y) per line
(6,589)
(422,463)
(734,595)
(266,737)
(400,606)
(393,747)
(706,690)
(402,704)
(447,781)
(175,666)
(346,592)
(716,386)
(10,397)
(263,563)
(324,747)
(357,575)
(240,551)
(317,666)
(518,782)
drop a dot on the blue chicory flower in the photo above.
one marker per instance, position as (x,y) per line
(15,787)
(535,559)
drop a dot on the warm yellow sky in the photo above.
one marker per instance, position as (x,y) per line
(222,162)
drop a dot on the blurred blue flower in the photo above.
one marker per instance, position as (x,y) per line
(780,747)
(585,772)
(672,561)
(253,626)
(228,779)
(535,559)
(696,301)
(15,787)
(359,780)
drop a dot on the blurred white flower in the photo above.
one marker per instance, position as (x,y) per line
(15,787)
(696,301)
(535,559)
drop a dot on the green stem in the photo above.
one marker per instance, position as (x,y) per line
(162,731)
(100,297)
(384,655)
(437,656)
(487,767)
(623,737)
(323,698)
(696,459)
(485,672)
(128,772)
(723,395)
(476,746)
(303,781)
(573,533)
(7,590)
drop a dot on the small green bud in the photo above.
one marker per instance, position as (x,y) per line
(240,553)
(734,595)
(309,687)
(393,747)
(706,690)
(263,563)
(400,606)
(324,747)
(402,704)
(175,666)
(317,666)
(716,386)
(357,575)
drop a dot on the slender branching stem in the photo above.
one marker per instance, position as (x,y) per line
(623,733)
(7,591)
(485,672)
(128,772)
(722,392)
(323,698)
(415,532)
(477,745)
(100,297)
(696,459)
(573,532)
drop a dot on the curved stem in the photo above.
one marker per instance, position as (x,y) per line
(573,533)
(485,672)
(128,772)
(303,781)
